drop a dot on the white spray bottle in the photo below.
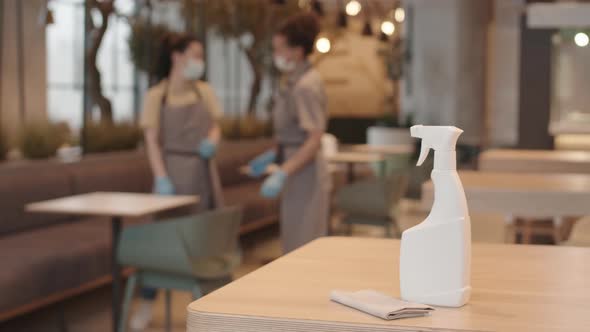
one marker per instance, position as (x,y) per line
(435,255)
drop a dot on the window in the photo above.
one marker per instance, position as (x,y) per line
(65,62)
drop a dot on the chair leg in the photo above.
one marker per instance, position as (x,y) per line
(392,228)
(197,293)
(349,229)
(557,226)
(168,310)
(129,289)
(382,169)
(510,229)
(388,232)
(527,231)
(568,225)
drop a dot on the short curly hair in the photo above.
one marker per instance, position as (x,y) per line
(301,30)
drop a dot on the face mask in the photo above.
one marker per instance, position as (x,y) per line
(194,69)
(283,64)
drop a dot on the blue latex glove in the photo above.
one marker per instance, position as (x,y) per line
(273,185)
(207,149)
(163,186)
(259,164)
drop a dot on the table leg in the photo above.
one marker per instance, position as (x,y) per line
(168,317)
(350,172)
(510,229)
(116,272)
(527,231)
(382,168)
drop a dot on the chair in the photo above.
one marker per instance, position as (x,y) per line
(329,144)
(580,234)
(391,164)
(528,227)
(195,253)
(373,201)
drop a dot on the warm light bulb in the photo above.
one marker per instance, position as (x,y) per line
(353,8)
(387,28)
(399,14)
(581,39)
(323,45)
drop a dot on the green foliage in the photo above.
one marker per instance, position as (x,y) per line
(105,137)
(40,140)
(252,23)
(248,127)
(229,128)
(233,19)
(66,136)
(144,45)
(257,19)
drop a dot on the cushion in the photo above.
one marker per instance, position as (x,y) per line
(28,182)
(52,259)
(124,171)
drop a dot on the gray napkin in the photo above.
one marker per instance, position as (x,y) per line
(380,305)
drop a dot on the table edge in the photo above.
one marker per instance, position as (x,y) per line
(371,326)
(34,208)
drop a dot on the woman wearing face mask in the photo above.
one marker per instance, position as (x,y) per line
(181,135)
(299,122)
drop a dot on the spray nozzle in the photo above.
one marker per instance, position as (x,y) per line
(416,131)
(438,138)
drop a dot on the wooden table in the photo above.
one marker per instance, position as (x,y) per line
(525,198)
(531,195)
(353,158)
(116,206)
(539,161)
(515,288)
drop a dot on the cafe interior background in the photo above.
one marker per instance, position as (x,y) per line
(511,73)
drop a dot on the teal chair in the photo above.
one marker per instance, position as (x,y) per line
(391,164)
(195,253)
(374,201)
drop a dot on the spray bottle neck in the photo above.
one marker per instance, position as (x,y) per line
(445,160)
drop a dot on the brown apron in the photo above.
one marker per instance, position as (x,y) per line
(305,199)
(182,129)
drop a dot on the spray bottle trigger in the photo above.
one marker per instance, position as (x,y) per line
(424,150)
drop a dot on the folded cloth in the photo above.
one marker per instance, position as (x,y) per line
(380,305)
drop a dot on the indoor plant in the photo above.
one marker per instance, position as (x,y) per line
(105,137)
(246,127)
(40,140)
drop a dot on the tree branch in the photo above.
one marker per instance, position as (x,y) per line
(257,80)
(106,8)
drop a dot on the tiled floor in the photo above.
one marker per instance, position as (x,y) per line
(91,312)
